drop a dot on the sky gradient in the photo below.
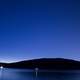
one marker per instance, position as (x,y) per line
(38,29)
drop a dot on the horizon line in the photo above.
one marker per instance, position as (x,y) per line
(37,58)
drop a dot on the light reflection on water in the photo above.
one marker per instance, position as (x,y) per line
(20,74)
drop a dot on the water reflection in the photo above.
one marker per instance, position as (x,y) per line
(17,74)
(1,73)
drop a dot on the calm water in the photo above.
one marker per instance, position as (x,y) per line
(17,74)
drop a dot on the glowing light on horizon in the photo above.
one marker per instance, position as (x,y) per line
(1,67)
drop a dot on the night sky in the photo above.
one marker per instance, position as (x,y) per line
(39,29)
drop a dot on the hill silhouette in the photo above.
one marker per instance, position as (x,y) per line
(45,63)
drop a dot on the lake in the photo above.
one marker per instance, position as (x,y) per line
(22,74)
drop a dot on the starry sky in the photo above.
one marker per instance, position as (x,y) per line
(32,29)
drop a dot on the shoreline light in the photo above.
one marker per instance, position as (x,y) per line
(36,70)
(1,67)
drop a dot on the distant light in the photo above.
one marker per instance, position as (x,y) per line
(36,69)
(1,67)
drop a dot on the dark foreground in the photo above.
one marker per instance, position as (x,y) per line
(22,74)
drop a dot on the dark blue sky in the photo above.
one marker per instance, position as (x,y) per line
(39,28)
